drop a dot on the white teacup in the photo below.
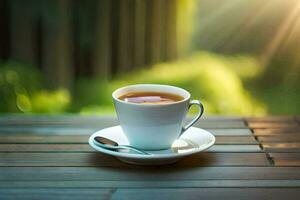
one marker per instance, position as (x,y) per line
(154,126)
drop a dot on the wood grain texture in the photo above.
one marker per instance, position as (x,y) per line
(105,121)
(70,130)
(281,147)
(271,119)
(234,148)
(286,159)
(45,148)
(87,148)
(167,193)
(280,138)
(298,119)
(46,130)
(259,124)
(105,124)
(59,119)
(139,173)
(53,160)
(54,193)
(219,124)
(230,131)
(208,193)
(83,139)
(43,139)
(75,119)
(276,131)
(152,184)
(98,159)
(234,140)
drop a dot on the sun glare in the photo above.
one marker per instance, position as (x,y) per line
(284,32)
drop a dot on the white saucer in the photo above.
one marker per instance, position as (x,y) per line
(192,141)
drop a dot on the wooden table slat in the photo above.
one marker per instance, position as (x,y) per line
(234,148)
(273,119)
(139,173)
(63,130)
(98,159)
(83,139)
(149,193)
(221,124)
(282,138)
(298,119)
(286,159)
(76,119)
(47,130)
(54,193)
(87,148)
(154,184)
(209,193)
(236,140)
(281,147)
(259,124)
(231,132)
(99,123)
(276,131)
(47,157)
(43,139)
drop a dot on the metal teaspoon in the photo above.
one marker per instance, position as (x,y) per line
(112,145)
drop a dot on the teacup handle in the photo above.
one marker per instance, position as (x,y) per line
(200,113)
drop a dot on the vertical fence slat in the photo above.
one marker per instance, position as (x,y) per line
(23,23)
(123,58)
(102,51)
(163,31)
(155,31)
(4,32)
(171,30)
(57,44)
(128,34)
(139,33)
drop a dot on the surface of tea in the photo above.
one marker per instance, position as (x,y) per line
(150,97)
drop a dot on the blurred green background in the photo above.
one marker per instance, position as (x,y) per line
(240,57)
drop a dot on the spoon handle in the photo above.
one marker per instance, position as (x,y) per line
(134,149)
(111,147)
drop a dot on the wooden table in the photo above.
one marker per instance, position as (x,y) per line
(48,158)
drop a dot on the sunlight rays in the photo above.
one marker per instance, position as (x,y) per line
(212,19)
(232,30)
(280,37)
(294,34)
(261,8)
(218,12)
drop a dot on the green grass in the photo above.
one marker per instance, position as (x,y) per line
(227,85)
(279,100)
(21,91)
(208,77)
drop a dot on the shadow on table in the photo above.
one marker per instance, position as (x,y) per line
(200,159)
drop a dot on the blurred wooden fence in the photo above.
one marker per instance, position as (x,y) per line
(67,39)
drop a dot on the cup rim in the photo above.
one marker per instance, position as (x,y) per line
(151,105)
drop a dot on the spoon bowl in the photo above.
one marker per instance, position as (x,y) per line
(112,145)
